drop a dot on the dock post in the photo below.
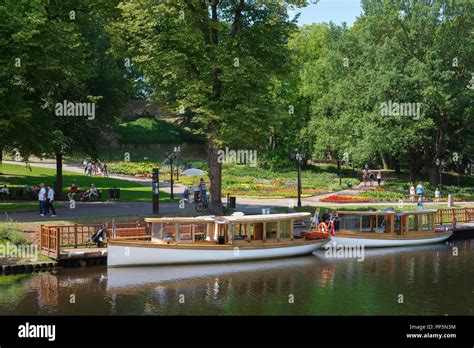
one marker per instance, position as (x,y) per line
(41,237)
(75,235)
(57,242)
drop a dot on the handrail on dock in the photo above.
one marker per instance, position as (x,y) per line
(53,238)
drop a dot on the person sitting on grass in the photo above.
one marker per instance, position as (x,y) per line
(74,189)
(5,192)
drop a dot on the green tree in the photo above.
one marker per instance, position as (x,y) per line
(219,59)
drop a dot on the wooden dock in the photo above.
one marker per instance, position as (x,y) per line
(69,242)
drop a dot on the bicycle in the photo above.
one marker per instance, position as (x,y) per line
(200,204)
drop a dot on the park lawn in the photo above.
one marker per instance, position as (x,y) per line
(18,175)
(311,209)
(246,181)
(9,207)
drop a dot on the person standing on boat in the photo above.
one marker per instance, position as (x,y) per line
(202,187)
(331,227)
(315,221)
(325,217)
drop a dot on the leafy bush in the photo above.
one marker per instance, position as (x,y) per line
(9,231)
(147,131)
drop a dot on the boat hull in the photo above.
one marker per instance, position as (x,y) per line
(120,255)
(381,243)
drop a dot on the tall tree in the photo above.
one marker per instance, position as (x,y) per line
(217,58)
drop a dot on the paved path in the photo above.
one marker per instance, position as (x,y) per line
(247,205)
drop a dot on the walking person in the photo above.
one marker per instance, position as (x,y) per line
(412,193)
(85,165)
(420,190)
(49,201)
(365,177)
(42,199)
(371,178)
(379,177)
(202,187)
(104,170)
(89,168)
(437,195)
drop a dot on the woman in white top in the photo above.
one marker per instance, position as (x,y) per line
(412,193)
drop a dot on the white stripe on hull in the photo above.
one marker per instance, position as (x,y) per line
(119,255)
(379,243)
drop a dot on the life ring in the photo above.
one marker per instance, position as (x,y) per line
(323,228)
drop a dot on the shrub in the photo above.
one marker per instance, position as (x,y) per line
(10,231)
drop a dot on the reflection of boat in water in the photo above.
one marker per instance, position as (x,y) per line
(121,277)
(388,228)
(210,239)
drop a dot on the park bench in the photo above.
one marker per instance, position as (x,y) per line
(129,233)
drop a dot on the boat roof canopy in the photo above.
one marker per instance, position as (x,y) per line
(385,212)
(244,219)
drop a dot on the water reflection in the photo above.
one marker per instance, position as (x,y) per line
(433,280)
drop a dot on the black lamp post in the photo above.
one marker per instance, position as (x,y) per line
(170,157)
(177,150)
(156,190)
(440,164)
(298,157)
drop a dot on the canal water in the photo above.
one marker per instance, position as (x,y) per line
(427,280)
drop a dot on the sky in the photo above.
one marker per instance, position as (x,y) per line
(337,11)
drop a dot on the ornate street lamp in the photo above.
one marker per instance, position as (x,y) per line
(177,150)
(298,157)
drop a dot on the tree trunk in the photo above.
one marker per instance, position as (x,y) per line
(433,173)
(339,171)
(384,158)
(215,175)
(58,186)
(396,166)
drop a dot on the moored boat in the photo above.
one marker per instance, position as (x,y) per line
(374,229)
(209,239)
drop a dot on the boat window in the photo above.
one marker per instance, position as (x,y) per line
(169,231)
(271,230)
(200,231)
(157,231)
(350,222)
(239,231)
(185,232)
(285,229)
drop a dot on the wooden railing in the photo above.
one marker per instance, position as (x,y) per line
(445,216)
(52,238)
(49,240)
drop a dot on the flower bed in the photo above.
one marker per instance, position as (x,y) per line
(344,199)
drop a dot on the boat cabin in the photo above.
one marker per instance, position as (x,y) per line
(387,222)
(233,230)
